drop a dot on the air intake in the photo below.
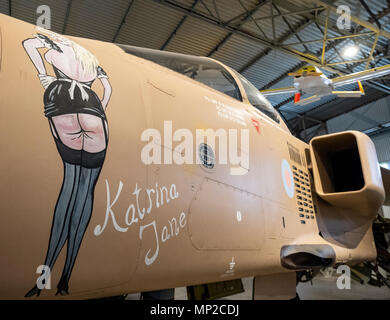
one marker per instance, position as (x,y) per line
(346,172)
(307,256)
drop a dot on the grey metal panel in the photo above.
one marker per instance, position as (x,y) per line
(196,38)
(357,10)
(311,32)
(382,145)
(266,24)
(237,52)
(269,67)
(317,130)
(149,25)
(378,111)
(96,19)
(27,11)
(364,118)
(224,9)
(4,8)
(367,117)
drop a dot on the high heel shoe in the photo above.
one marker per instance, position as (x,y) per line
(34,291)
(63,287)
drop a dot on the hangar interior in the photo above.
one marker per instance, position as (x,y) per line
(264,40)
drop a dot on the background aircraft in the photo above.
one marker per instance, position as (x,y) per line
(85,215)
(310,80)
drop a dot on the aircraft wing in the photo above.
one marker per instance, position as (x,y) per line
(362,75)
(271,92)
(307,100)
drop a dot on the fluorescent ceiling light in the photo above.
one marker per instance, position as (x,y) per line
(350,52)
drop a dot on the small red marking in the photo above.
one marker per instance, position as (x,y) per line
(297,97)
(287,177)
(256,125)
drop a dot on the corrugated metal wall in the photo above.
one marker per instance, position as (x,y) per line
(365,118)
(382,145)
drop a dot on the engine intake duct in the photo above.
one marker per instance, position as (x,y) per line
(307,256)
(346,172)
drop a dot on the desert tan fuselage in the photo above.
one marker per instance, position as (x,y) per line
(226,226)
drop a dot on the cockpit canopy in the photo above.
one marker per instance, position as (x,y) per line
(208,72)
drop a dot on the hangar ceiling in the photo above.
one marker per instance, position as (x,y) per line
(262,39)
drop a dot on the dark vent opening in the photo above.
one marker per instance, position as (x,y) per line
(304,260)
(307,256)
(347,170)
(338,163)
(294,154)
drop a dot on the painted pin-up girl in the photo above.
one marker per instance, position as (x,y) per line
(78,124)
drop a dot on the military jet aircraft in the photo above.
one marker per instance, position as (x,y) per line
(126,169)
(310,80)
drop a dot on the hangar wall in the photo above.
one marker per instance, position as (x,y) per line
(372,119)
(366,118)
(382,145)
